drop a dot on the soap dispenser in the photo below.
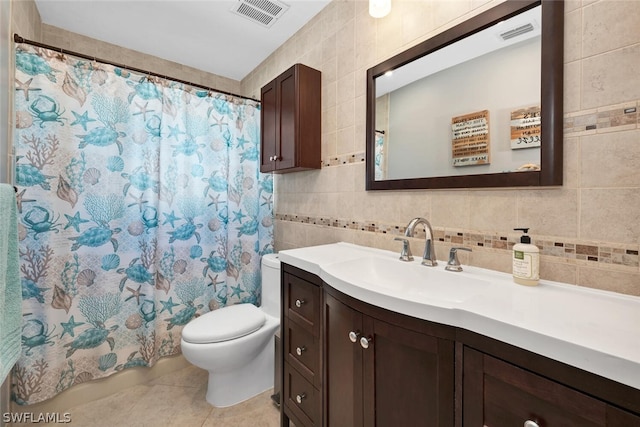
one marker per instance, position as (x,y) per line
(526,260)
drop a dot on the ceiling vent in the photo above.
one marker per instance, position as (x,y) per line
(518,31)
(263,12)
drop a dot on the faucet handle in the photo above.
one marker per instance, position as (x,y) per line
(406,254)
(454,263)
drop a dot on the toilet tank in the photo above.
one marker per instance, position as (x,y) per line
(271,285)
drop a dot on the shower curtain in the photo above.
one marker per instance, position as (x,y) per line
(380,156)
(141,207)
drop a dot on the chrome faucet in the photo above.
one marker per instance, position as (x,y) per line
(429,256)
(454,262)
(406,254)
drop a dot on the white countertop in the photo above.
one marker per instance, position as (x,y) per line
(597,331)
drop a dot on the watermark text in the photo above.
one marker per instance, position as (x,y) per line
(34,418)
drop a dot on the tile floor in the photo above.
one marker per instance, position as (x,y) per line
(174,399)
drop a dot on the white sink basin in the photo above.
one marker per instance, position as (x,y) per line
(406,280)
(590,329)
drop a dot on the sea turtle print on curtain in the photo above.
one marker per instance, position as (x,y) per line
(141,206)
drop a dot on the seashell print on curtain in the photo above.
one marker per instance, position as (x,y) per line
(141,207)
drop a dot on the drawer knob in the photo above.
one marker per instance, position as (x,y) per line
(353,336)
(530,423)
(300,302)
(300,350)
(300,397)
(364,343)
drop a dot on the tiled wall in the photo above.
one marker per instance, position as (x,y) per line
(25,19)
(588,229)
(120,55)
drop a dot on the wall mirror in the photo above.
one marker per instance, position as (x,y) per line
(478,105)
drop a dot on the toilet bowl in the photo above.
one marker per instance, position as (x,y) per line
(235,343)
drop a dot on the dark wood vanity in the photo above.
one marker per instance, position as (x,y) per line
(347,363)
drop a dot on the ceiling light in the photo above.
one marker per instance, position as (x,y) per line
(379,8)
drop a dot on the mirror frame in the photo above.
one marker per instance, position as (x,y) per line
(551,101)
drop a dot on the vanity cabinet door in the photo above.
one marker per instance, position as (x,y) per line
(497,393)
(380,374)
(343,364)
(408,377)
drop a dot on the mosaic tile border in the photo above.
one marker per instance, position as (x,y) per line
(624,255)
(611,118)
(344,159)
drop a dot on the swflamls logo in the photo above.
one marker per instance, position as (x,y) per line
(33,418)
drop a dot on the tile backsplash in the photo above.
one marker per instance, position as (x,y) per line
(568,249)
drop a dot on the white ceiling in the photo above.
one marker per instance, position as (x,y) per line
(203,34)
(478,44)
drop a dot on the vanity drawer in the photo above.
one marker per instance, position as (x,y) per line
(510,395)
(302,351)
(301,397)
(302,301)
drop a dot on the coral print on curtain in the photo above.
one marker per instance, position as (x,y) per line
(141,206)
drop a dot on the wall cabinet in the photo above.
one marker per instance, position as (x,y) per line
(380,374)
(348,363)
(290,121)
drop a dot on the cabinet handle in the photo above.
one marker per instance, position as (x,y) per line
(353,336)
(300,397)
(300,350)
(299,302)
(364,342)
(530,423)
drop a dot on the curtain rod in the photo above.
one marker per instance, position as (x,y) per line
(18,39)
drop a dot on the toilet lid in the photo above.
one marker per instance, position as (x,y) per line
(224,324)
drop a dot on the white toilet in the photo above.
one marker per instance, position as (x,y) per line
(235,343)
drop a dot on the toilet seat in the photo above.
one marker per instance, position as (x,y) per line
(224,324)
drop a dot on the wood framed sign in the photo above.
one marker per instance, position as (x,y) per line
(525,128)
(470,139)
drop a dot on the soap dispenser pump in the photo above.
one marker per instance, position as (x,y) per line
(526,260)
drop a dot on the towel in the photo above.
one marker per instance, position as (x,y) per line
(10,285)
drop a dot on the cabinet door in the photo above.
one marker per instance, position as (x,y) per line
(497,393)
(287,89)
(343,365)
(408,377)
(390,376)
(269,127)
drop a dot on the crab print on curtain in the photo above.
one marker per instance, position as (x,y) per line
(141,207)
